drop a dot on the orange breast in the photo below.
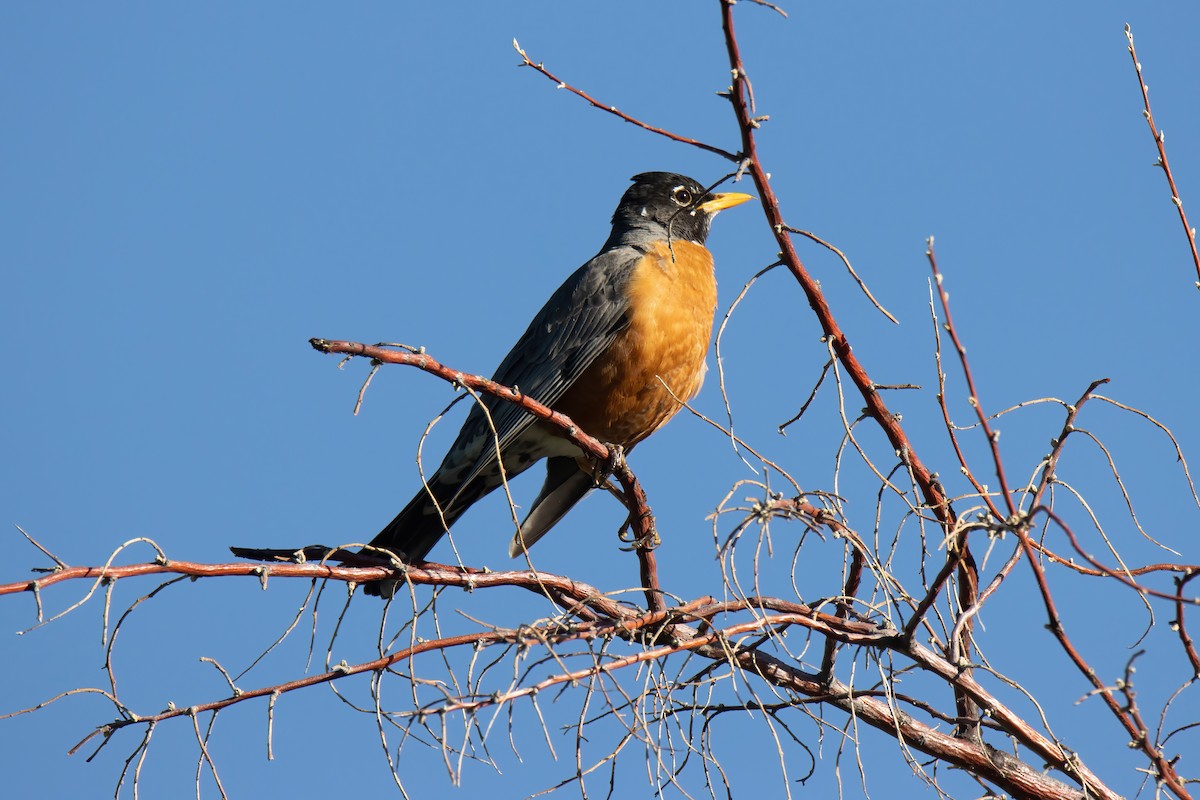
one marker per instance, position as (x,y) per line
(620,397)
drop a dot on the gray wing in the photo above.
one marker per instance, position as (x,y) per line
(577,324)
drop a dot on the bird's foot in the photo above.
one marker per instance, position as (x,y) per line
(639,532)
(615,462)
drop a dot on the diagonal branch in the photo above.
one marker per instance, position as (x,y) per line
(935,497)
(1160,141)
(539,67)
(641,517)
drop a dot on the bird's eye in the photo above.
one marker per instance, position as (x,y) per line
(682,196)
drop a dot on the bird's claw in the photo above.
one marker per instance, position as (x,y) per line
(648,541)
(614,463)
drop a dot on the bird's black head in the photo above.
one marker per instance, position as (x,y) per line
(667,205)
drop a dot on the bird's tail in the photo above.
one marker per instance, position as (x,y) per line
(567,482)
(417,528)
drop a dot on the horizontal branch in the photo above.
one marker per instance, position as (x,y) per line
(671,632)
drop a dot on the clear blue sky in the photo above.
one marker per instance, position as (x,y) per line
(191,192)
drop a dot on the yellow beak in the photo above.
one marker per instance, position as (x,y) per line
(722,201)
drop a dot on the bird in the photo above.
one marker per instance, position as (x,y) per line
(617,348)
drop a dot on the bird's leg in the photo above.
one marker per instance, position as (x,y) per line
(603,468)
(602,472)
(648,540)
(646,537)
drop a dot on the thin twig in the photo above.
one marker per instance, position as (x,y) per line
(539,67)
(1160,140)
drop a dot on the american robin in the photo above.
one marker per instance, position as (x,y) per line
(629,329)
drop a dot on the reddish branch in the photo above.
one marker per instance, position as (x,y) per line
(640,516)
(526,62)
(1127,715)
(1121,575)
(172,567)
(693,627)
(1059,443)
(959,558)
(973,398)
(670,634)
(958,554)
(1164,767)
(1124,708)
(935,498)
(1160,140)
(1185,639)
